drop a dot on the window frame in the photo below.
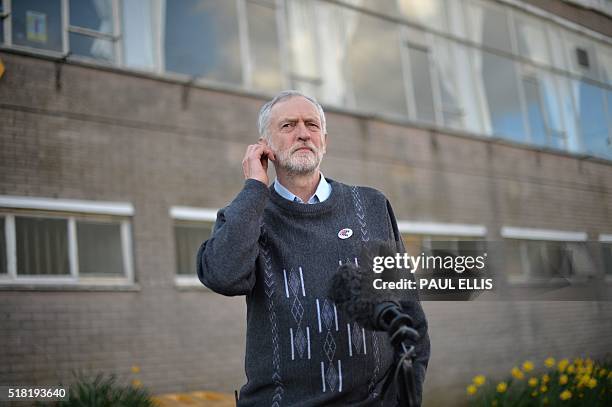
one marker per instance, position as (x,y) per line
(72,211)
(194,215)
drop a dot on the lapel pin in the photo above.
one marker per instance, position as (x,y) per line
(345,233)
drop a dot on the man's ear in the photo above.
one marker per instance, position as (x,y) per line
(325,141)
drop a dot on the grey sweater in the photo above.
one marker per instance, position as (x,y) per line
(301,349)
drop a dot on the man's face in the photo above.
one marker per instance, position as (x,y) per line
(296,136)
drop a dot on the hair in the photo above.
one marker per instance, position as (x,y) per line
(263,121)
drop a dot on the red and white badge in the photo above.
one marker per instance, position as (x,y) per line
(345,233)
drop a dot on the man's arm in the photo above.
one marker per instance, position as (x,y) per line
(414,309)
(226,262)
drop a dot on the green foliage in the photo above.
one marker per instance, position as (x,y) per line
(103,391)
(581,383)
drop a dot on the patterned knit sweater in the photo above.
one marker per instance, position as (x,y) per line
(301,349)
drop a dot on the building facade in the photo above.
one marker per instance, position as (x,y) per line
(123,125)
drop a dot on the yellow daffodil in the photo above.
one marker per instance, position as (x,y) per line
(517,373)
(545,378)
(610,374)
(563,379)
(571,369)
(565,395)
(543,389)
(562,365)
(471,390)
(527,366)
(479,380)
(502,387)
(602,372)
(534,394)
(549,362)
(135,369)
(136,383)
(592,383)
(533,381)
(578,361)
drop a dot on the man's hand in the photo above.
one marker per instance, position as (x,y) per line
(255,161)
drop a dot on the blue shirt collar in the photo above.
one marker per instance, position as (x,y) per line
(321,194)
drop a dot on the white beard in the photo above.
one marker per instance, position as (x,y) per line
(299,163)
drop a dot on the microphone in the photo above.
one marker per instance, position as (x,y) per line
(352,290)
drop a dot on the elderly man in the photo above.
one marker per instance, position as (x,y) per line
(280,246)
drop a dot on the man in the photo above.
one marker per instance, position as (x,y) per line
(280,246)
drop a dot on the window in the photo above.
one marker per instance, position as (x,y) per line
(138,34)
(37,24)
(188,237)
(497,81)
(375,71)
(593,121)
(264,58)
(202,40)
(92,31)
(3,257)
(418,66)
(50,241)
(430,13)
(606,253)
(533,254)
(192,226)
(543,111)
(580,53)
(531,39)
(489,25)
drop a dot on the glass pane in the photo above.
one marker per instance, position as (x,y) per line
(264,48)
(592,119)
(3,259)
(604,55)
(138,34)
(201,39)
(460,103)
(1,23)
(97,48)
(421,84)
(374,71)
(580,52)
(99,248)
(302,40)
(606,252)
(489,26)
(430,13)
(570,120)
(498,76)
(37,23)
(514,257)
(535,114)
(188,239)
(42,246)
(93,14)
(532,39)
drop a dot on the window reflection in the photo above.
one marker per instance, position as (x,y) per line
(264,49)
(201,39)
(37,24)
(375,69)
(498,80)
(138,34)
(592,119)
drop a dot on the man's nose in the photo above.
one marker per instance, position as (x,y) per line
(302,131)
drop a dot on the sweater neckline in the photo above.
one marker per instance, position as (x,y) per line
(316,208)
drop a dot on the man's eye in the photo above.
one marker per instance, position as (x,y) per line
(315,125)
(286,125)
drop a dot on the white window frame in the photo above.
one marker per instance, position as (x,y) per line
(72,211)
(192,214)
(442,229)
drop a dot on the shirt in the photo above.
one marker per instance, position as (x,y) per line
(321,194)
